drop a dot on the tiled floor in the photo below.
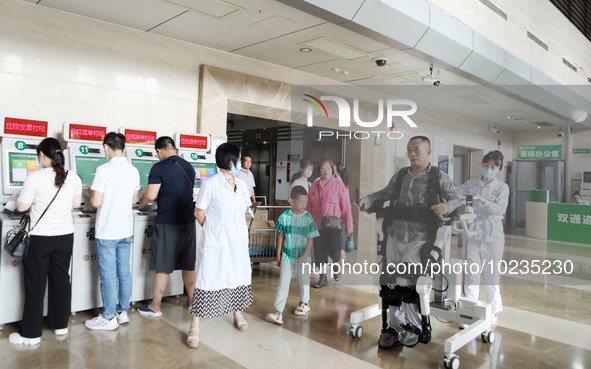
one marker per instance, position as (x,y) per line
(543,326)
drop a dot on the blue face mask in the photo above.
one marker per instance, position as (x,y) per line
(488,173)
(234,169)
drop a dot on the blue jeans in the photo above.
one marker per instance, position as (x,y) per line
(113,261)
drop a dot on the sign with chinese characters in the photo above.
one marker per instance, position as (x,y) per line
(25,127)
(443,163)
(140,137)
(86,132)
(539,152)
(193,141)
(569,222)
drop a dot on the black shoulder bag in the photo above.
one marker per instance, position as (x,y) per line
(18,238)
(330,221)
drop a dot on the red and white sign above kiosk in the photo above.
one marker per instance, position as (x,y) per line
(193,142)
(139,136)
(18,127)
(74,132)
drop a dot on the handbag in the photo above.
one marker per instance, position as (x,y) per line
(329,221)
(18,238)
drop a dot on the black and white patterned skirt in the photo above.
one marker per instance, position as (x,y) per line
(209,304)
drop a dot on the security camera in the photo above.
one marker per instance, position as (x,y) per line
(431,81)
(495,129)
(560,133)
(380,62)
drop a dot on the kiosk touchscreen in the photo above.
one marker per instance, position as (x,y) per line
(84,154)
(20,138)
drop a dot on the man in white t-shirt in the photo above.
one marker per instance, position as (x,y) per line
(245,174)
(113,192)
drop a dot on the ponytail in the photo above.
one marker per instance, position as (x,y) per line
(51,148)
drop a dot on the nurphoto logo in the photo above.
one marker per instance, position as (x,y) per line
(344,116)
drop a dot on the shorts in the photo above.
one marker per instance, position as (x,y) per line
(173,247)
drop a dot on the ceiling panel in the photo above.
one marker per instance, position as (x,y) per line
(284,50)
(237,30)
(141,15)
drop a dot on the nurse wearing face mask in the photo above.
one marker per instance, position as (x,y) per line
(489,241)
(223,274)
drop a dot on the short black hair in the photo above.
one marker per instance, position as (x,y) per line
(297,191)
(246,156)
(116,141)
(495,156)
(165,143)
(422,138)
(225,154)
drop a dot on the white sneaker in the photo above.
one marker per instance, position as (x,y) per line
(101,324)
(61,332)
(275,317)
(302,309)
(122,317)
(17,339)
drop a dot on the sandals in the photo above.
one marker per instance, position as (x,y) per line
(193,340)
(240,323)
(321,282)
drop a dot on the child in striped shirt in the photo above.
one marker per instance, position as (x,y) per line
(296,230)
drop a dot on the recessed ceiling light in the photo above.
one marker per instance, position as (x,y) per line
(345,72)
(335,48)
(538,127)
(305,49)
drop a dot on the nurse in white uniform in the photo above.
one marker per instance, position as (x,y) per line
(486,247)
(223,273)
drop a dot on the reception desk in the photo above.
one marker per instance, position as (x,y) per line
(556,221)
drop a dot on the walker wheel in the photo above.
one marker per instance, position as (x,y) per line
(452,362)
(356,331)
(488,337)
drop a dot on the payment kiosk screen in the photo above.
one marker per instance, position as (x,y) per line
(144,167)
(203,172)
(86,168)
(20,165)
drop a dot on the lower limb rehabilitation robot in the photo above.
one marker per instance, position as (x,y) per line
(436,293)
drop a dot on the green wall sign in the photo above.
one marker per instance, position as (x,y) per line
(539,152)
(569,222)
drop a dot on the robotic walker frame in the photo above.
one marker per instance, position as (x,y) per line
(445,303)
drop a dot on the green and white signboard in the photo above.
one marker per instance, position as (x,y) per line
(569,222)
(539,152)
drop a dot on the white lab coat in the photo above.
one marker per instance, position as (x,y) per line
(223,259)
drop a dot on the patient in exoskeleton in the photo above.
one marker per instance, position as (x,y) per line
(418,195)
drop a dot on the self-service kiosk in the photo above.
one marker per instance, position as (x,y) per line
(195,148)
(83,155)
(141,154)
(20,138)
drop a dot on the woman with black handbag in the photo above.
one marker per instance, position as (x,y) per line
(51,193)
(328,202)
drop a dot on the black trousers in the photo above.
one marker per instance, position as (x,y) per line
(48,259)
(327,244)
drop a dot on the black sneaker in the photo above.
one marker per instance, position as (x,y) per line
(389,339)
(411,334)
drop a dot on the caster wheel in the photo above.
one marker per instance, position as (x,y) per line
(73,313)
(452,362)
(425,337)
(488,337)
(356,331)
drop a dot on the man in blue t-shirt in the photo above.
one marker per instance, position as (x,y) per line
(170,184)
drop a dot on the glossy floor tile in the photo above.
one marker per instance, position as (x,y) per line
(542,326)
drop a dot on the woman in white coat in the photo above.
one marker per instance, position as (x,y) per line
(486,247)
(223,273)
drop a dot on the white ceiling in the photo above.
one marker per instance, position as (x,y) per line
(274,32)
